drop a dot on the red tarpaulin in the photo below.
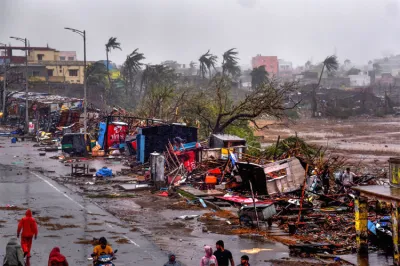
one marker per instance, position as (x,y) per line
(188,158)
(116,133)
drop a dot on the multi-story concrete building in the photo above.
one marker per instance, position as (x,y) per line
(360,80)
(60,66)
(269,62)
(285,69)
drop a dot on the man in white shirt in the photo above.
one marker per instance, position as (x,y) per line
(348,178)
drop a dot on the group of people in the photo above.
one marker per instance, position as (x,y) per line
(19,254)
(221,257)
(15,255)
(344,180)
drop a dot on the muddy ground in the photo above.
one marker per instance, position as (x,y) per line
(367,143)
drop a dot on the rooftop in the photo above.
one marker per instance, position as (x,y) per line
(31,48)
(228,137)
(381,192)
(44,97)
(63,63)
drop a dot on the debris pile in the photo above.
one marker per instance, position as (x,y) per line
(295,193)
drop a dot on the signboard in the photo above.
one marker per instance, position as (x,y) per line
(116,133)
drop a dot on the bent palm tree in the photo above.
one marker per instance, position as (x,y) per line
(207,61)
(331,64)
(230,63)
(111,45)
(131,66)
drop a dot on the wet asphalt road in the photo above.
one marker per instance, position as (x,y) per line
(25,185)
(24,188)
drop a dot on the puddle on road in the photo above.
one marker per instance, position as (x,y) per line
(195,239)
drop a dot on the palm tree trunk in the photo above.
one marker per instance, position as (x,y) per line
(108,71)
(314,94)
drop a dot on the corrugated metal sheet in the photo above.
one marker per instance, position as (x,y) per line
(293,179)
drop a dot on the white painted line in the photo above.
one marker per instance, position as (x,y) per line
(53,186)
(77,203)
(131,241)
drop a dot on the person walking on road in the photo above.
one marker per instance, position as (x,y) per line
(223,255)
(56,258)
(244,261)
(172,261)
(14,255)
(29,229)
(205,261)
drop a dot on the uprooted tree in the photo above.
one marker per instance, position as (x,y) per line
(216,110)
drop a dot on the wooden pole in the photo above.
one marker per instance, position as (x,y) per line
(276,146)
(254,204)
(302,194)
(361,224)
(395,232)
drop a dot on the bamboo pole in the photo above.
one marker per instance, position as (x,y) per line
(302,194)
(254,203)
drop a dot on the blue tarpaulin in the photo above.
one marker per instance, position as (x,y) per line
(106,172)
(371,227)
(102,132)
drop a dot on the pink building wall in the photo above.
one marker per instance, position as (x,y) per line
(270,63)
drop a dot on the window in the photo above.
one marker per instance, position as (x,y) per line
(62,58)
(70,58)
(73,72)
(36,73)
(40,57)
(50,72)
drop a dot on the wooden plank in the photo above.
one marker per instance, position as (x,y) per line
(202,193)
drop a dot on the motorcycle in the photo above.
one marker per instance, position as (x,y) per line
(384,233)
(104,260)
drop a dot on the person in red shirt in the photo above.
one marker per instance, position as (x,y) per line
(29,229)
(56,258)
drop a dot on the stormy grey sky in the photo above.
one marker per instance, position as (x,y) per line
(295,30)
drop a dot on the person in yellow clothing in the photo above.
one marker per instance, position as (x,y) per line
(102,249)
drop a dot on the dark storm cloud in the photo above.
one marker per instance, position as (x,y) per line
(182,30)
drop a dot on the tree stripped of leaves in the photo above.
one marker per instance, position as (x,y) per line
(216,111)
(258,76)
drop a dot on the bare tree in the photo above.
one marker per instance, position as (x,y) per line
(216,109)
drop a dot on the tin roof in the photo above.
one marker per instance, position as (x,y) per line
(227,137)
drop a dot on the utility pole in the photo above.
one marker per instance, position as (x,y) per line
(24,40)
(4,81)
(83,34)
